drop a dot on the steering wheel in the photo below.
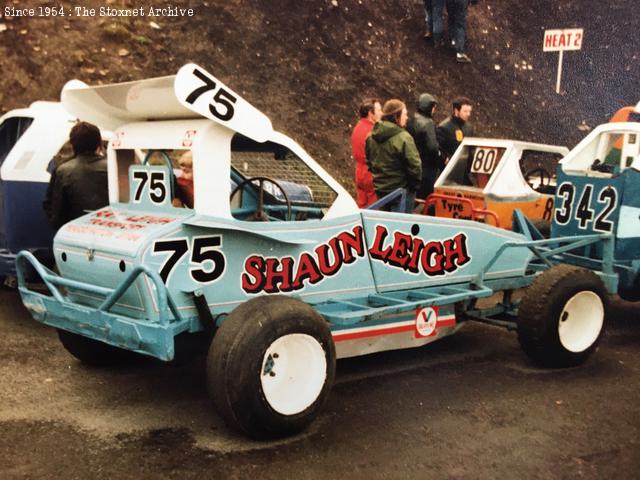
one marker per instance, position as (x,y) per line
(543,172)
(260,215)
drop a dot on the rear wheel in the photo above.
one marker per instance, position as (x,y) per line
(631,294)
(92,352)
(561,317)
(271,366)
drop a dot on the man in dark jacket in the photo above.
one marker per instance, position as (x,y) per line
(423,131)
(80,184)
(392,156)
(453,129)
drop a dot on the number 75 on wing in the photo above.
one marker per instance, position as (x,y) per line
(201,92)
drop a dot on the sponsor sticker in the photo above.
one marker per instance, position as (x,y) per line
(426,321)
(187,141)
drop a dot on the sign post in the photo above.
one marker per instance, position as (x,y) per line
(559,41)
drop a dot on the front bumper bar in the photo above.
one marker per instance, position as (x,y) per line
(152,336)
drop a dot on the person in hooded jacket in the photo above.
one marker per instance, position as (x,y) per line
(423,130)
(392,156)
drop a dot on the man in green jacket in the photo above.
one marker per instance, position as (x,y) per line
(392,156)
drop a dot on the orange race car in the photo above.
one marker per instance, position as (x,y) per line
(487,179)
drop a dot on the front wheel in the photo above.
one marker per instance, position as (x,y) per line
(271,366)
(561,317)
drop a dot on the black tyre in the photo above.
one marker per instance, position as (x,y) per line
(271,366)
(92,352)
(561,317)
(631,294)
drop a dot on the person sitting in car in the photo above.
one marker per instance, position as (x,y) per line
(184,183)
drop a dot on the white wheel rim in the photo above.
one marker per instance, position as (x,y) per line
(294,370)
(581,321)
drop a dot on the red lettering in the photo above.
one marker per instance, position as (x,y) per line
(275,275)
(105,213)
(569,35)
(407,251)
(307,270)
(578,41)
(563,40)
(555,40)
(455,252)
(376,249)
(548,40)
(401,245)
(416,249)
(149,219)
(432,259)
(352,244)
(115,224)
(253,279)
(324,262)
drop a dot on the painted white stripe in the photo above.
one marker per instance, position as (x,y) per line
(386,326)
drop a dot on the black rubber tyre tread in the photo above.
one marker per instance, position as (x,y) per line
(543,226)
(235,357)
(540,310)
(632,294)
(92,352)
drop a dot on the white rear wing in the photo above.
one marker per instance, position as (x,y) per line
(111,106)
(199,91)
(192,93)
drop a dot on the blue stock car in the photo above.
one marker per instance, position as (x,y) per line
(30,139)
(276,284)
(599,193)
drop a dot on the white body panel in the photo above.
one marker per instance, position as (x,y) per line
(507,180)
(28,159)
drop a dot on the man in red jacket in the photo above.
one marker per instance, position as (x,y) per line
(370,113)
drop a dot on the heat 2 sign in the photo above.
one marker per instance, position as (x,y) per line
(559,41)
